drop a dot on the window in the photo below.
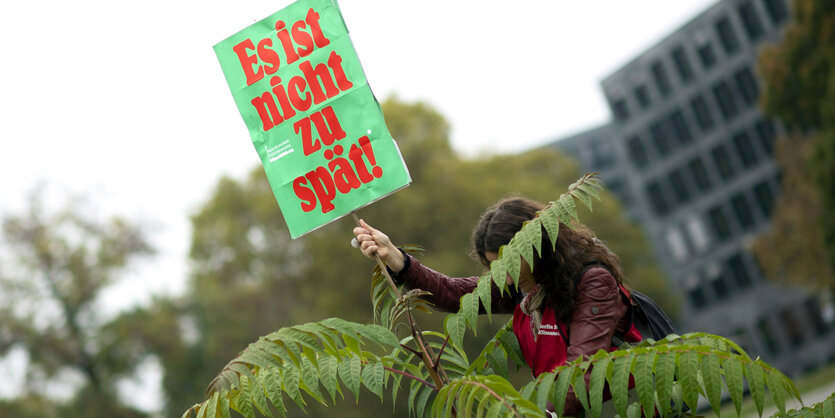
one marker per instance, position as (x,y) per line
(747,86)
(776,11)
(699,173)
(793,327)
(725,99)
(680,128)
(682,64)
(745,149)
(620,109)
(697,297)
(722,162)
(659,138)
(742,211)
(720,287)
(601,155)
(706,55)
(702,113)
(676,243)
(766,134)
(679,187)
(727,36)
(750,21)
(657,198)
(764,198)
(697,232)
(642,96)
(720,225)
(739,274)
(660,77)
(767,336)
(813,310)
(637,153)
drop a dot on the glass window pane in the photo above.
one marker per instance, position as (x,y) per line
(702,113)
(657,198)
(727,36)
(745,149)
(637,153)
(660,77)
(699,173)
(751,21)
(682,64)
(722,162)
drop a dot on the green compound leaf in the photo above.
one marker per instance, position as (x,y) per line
(498,272)
(688,376)
(564,376)
(455,325)
(349,370)
(665,367)
(271,380)
(543,390)
(756,384)
(732,368)
(373,375)
(567,210)
(712,379)
(619,383)
(243,400)
(551,224)
(290,378)
(498,361)
(328,370)
(469,308)
(511,345)
(644,381)
(485,294)
(775,387)
(583,197)
(596,385)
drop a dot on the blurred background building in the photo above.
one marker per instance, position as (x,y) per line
(690,154)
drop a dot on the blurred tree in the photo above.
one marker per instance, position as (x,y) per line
(56,266)
(249,278)
(794,249)
(799,75)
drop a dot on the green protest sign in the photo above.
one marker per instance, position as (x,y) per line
(314,122)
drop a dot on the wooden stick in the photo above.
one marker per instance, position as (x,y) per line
(425,350)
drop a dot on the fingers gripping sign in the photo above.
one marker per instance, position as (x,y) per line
(374,243)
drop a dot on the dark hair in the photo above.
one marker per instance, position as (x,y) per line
(554,270)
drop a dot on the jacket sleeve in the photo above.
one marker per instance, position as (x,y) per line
(447,291)
(598,310)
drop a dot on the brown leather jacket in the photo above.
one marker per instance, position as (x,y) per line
(598,309)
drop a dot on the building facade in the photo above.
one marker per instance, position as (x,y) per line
(698,171)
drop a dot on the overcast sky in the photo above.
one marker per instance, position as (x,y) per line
(126,102)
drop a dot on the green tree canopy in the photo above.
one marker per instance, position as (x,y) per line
(58,263)
(799,76)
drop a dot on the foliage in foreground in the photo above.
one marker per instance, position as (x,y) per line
(316,362)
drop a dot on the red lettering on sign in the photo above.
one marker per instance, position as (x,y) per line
(312,19)
(302,38)
(284,36)
(247,61)
(341,175)
(268,55)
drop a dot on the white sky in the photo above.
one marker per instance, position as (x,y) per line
(125,101)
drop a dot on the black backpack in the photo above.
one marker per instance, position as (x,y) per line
(648,317)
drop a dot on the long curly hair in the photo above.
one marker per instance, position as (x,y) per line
(553,270)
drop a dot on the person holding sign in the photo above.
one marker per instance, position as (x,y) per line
(570,304)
